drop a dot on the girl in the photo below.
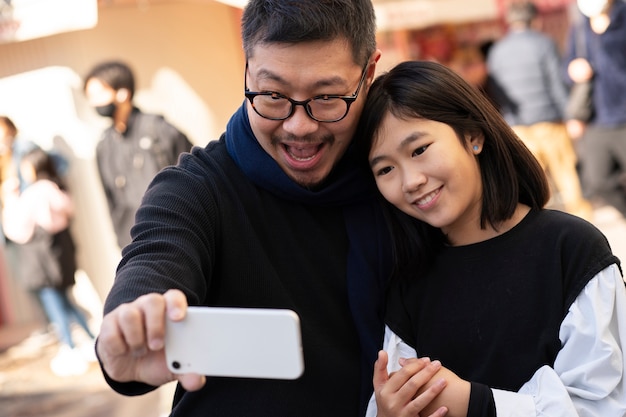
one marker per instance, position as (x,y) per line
(525,307)
(38,220)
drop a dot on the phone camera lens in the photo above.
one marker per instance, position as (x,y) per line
(176,365)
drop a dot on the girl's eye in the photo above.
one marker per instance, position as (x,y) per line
(382,171)
(419,150)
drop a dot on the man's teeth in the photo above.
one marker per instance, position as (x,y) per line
(302,154)
(301,159)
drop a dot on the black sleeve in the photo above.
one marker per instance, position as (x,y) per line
(396,315)
(481,403)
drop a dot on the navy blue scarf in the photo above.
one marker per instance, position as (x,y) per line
(352,188)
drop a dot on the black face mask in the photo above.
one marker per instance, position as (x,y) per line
(106,111)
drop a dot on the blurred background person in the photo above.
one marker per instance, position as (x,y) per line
(38,220)
(470,62)
(134,148)
(602,147)
(526,67)
(12,148)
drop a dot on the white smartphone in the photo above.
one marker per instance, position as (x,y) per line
(236,342)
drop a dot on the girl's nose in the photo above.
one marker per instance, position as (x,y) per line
(413,179)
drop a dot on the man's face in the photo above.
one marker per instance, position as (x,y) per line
(304,148)
(98,93)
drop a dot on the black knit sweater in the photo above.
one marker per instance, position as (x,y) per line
(491,311)
(225,242)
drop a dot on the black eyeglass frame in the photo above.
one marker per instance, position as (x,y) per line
(250,95)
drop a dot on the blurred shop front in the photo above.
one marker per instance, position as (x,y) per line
(455,32)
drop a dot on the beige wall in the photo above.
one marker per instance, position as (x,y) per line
(197,40)
(188,63)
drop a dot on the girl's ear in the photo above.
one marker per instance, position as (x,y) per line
(476,142)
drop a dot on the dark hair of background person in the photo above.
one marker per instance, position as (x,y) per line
(521,12)
(510,173)
(116,74)
(310,21)
(44,167)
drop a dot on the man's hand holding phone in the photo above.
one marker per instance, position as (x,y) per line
(131,344)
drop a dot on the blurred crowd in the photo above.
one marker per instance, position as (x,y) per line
(38,207)
(566,103)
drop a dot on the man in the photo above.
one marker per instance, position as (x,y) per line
(525,66)
(133,149)
(602,148)
(276,214)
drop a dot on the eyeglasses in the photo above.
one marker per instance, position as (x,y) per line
(325,108)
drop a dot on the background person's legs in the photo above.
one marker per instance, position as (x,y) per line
(552,146)
(68,361)
(599,150)
(560,162)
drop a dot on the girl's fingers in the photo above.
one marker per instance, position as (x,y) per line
(419,378)
(425,398)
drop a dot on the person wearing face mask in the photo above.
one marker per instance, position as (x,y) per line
(134,148)
(602,147)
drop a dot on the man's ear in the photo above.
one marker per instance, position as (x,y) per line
(372,67)
(122,95)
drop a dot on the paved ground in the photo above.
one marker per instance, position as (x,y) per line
(29,389)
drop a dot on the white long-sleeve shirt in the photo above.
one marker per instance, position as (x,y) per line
(587,379)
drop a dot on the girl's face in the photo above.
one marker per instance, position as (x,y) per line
(421,167)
